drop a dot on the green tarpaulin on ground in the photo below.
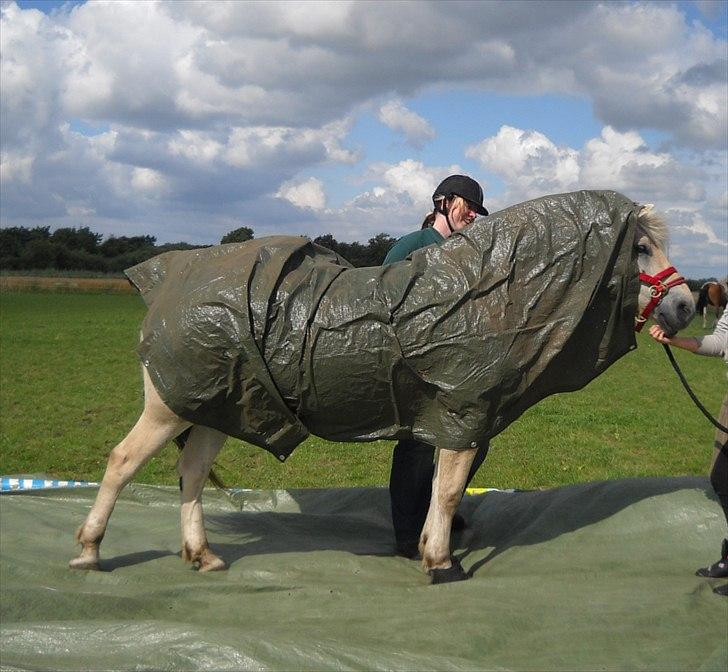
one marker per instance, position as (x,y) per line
(596,576)
(275,338)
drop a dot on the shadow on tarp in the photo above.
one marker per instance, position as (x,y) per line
(359,518)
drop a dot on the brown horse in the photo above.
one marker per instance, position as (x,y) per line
(713,294)
(446,377)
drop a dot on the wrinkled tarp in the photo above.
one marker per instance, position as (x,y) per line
(597,576)
(274,338)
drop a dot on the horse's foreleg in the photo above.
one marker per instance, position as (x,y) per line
(156,426)
(451,473)
(201,448)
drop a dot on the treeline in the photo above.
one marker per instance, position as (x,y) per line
(72,249)
(358,254)
(80,249)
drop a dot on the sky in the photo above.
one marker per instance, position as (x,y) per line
(186,120)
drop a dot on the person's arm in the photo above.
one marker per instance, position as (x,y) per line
(712,345)
(715,344)
(688,343)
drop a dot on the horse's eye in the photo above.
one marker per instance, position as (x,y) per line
(643,249)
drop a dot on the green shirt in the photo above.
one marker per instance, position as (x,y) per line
(411,242)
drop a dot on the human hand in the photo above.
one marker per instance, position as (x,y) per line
(658,334)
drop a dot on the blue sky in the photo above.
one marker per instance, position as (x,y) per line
(186,120)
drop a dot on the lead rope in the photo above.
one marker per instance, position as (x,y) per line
(690,392)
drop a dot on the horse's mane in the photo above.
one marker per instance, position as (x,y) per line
(653,226)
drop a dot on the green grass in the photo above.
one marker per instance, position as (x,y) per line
(70,389)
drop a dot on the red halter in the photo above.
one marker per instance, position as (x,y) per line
(658,291)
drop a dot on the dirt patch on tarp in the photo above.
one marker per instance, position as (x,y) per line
(275,338)
(597,576)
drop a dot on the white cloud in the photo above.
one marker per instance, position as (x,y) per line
(306,194)
(213,108)
(171,64)
(16,167)
(148,181)
(195,146)
(607,156)
(397,202)
(409,178)
(256,145)
(531,164)
(396,116)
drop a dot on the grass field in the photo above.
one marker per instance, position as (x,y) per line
(70,388)
(65,285)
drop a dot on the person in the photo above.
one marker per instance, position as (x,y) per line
(457,201)
(715,345)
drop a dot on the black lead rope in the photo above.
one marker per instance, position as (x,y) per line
(690,392)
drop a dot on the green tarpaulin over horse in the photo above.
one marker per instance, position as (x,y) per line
(275,338)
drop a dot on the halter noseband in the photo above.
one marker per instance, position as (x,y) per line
(658,291)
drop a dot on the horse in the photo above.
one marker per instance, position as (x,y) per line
(448,346)
(712,294)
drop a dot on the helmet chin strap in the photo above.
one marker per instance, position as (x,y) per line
(445,211)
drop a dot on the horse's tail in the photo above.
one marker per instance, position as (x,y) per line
(181,441)
(702,299)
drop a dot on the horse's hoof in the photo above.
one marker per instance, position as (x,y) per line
(84,563)
(449,575)
(211,563)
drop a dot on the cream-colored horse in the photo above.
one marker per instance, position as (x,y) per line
(159,425)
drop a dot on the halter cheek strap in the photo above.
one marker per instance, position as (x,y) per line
(658,291)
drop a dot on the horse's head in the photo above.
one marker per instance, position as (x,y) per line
(664,295)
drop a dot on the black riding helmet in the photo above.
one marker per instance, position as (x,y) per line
(463,186)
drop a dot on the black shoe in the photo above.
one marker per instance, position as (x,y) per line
(721,590)
(718,570)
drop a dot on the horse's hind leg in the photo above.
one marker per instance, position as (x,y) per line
(200,450)
(451,474)
(156,426)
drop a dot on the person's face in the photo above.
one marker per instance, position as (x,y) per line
(462,213)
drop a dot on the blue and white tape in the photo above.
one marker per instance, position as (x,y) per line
(8,484)
(23,484)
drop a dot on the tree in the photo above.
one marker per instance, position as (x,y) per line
(237,236)
(356,253)
(77,239)
(14,239)
(40,253)
(115,246)
(378,248)
(327,241)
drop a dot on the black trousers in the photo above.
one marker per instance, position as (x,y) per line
(719,472)
(719,479)
(410,486)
